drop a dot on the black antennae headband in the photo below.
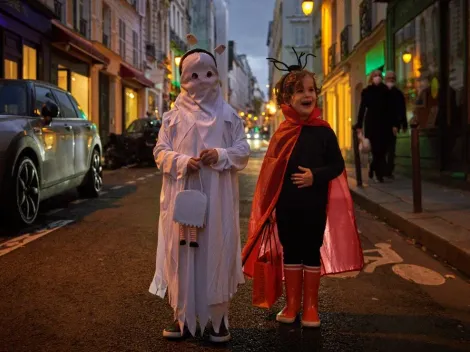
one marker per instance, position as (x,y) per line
(286,68)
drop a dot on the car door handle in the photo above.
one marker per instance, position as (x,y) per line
(68,127)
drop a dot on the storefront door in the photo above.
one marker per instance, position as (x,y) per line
(104,107)
(130,107)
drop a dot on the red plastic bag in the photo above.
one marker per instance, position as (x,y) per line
(267,278)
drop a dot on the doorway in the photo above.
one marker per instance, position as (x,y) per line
(104,107)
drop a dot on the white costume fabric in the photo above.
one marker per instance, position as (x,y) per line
(200,281)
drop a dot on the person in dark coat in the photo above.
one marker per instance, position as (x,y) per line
(399,103)
(377,117)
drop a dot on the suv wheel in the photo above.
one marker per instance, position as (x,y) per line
(25,193)
(94,178)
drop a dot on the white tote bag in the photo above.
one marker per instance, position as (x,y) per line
(364,144)
(191,206)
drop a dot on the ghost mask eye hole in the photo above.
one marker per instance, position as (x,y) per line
(195,75)
(209,74)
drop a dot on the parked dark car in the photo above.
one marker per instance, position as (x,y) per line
(135,145)
(47,146)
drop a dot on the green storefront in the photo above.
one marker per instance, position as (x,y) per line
(427,47)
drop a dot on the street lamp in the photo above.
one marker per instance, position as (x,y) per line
(307,7)
(406,57)
(177,60)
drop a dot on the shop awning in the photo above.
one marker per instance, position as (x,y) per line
(128,72)
(67,39)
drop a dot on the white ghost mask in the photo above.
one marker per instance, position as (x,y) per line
(200,85)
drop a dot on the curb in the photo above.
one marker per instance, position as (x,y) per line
(450,252)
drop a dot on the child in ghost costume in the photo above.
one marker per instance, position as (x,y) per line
(201,137)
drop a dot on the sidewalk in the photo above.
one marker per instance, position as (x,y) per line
(444,225)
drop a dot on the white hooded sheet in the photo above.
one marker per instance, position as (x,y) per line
(200,281)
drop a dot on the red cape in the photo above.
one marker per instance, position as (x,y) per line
(341,250)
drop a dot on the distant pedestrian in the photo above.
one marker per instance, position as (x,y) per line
(200,148)
(376,114)
(302,188)
(399,104)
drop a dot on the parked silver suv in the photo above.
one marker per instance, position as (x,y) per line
(47,146)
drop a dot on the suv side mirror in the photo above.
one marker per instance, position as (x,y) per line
(49,111)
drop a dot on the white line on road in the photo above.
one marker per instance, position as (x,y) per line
(150,175)
(130,182)
(78,201)
(54,211)
(141,179)
(158,173)
(18,242)
(116,187)
(102,193)
(129,166)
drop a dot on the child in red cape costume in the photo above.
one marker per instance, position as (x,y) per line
(341,250)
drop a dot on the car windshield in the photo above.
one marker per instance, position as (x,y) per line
(13,98)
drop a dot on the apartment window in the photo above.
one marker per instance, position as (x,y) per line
(182,33)
(106,26)
(30,62)
(11,69)
(298,8)
(299,35)
(149,23)
(122,39)
(80,16)
(178,24)
(135,52)
(59,10)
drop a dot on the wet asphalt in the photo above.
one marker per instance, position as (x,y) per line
(84,286)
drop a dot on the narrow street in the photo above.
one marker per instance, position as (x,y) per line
(82,285)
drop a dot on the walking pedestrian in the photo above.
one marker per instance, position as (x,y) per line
(376,114)
(399,104)
(302,189)
(201,142)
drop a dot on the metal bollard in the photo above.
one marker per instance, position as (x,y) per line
(416,166)
(357,158)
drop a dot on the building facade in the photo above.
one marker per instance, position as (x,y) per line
(203,23)
(290,28)
(435,79)
(25,36)
(221,38)
(179,27)
(353,45)
(240,95)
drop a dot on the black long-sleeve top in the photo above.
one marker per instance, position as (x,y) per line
(317,149)
(377,112)
(399,103)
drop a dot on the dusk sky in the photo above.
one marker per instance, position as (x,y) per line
(248,27)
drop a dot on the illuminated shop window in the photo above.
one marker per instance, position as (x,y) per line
(131,113)
(30,62)
(11,69)
(81,91)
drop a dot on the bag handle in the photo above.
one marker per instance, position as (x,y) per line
(200,181)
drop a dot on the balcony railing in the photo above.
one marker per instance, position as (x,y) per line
(365,14)
(346,41)
(58,9)
(83,28)
(331,57)
(150,51)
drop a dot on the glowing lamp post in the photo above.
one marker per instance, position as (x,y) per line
(307,7)
(406,57)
